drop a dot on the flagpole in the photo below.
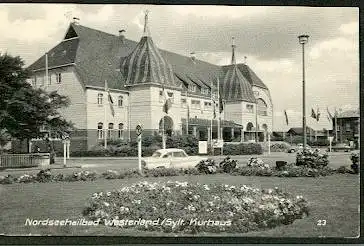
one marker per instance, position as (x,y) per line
(164,114)
(212,116)
(188,115)
(335,125)
(218,108)
(105,129)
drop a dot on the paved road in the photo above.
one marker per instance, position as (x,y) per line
(335,159)
(100,164)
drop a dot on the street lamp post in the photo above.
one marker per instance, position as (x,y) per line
(303,39)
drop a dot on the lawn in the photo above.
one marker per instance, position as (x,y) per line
(332,198)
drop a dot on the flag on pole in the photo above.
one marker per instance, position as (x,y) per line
(329,114)
(167,101)
(313,114)
(285,114)
(318,114)
(214,105)
(109,98)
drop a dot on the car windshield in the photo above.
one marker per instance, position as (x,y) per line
(156,154)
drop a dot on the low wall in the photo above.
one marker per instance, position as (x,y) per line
(24,160)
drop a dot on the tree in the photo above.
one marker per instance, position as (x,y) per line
(24,109)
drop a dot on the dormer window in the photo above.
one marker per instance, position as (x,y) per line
(192,88)
(204,91)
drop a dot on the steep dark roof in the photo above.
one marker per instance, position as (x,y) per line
(251,76)
(64,53)
(146,64)
(236,87)
(98,56)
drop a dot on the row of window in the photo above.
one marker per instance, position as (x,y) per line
(52,78)
(100,130)
(100,100)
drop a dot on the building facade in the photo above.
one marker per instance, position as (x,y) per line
(91,66)
(347,129)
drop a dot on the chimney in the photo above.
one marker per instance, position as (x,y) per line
(121,34)
(193,56)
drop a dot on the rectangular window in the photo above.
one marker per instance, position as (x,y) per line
(348,126)
(49,79)
(184,102)
(195,104)
(207,104)
(249,108)
(99,98)
(170,95)
(58,78)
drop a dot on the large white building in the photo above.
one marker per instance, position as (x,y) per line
(136,73)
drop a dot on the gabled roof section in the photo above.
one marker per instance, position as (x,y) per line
(147,65)
(62,54)
(299,130)
(236,87)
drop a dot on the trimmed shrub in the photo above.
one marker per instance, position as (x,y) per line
(243,149)
(278,146)
(162,172)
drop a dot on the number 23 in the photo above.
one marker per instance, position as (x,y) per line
(321,222)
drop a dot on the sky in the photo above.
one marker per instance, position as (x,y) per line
(267,36)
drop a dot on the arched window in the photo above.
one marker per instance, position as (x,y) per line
(120,101)
(249,126)
(100,130)
(99,98)
(262,107)
(120,131)
(111,128)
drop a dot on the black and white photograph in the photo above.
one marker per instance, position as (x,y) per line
(179,121)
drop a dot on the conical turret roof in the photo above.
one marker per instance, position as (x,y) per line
(236,87)
(146,64)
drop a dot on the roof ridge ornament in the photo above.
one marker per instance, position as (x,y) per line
(146,31)
(76,20)
(233,46)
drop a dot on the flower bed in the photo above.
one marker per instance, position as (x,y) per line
(192,208)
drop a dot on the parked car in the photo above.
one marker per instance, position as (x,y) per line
(297,148)
(341,147)
(171,158)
